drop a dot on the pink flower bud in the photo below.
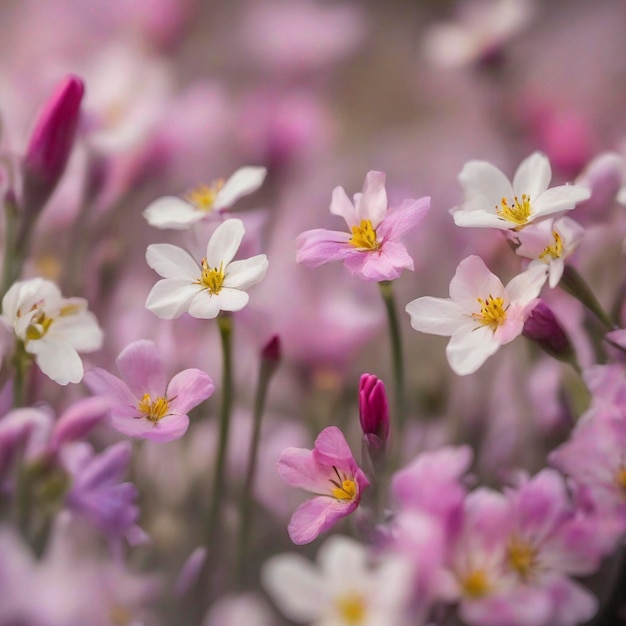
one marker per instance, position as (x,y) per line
(543,327)
(51,142)
(373,410)
(272,350)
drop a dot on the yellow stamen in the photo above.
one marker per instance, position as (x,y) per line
(347,491)
(364,236)
(556,249)
(522,557)
(70,309)
(38,327)
(518,212)
(475,584)
(492,312)
(153,410)
(352,609)
(212,278)
(204,196)
(620,477)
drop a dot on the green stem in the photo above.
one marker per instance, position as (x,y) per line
(225,324)
(386,290)
(21,363)
(576,286)
(265,374)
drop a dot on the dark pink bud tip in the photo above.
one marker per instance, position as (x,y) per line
(543,327)
(272,350)
(373,407)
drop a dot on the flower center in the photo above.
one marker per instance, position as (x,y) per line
(556,249)
(153,410)
(517,212)
(204,196)
(352,608)
(522,556)
(38,326)
(475,584)
(344,487)
(212,278)
(492,312)
(364,236)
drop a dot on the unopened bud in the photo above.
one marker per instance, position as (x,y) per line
(272,350)
(51,143)
(543,327)
(373,410)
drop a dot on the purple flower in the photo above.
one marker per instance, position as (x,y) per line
(330,472)
(143,404)
(371,250)
(373,411)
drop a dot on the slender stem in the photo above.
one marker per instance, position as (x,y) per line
(21,363)
(386,290)
(576,286)
(265,374)
(11,264)
(225,324)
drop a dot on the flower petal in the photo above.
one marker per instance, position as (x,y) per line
(188,389)
(204,306)
(316,516)
(247,272)
(532,176)
(142,369)
(232,299)
(468,350)
(172,212)
(340,205)
(224,242)
(437,316)
(103,383)
(318,246)
(170,261)
(244,181)
(57,360)
(562,198)
(298,468)
(484,186)
(171,297)
(397,223)
(473,280)
(372,203)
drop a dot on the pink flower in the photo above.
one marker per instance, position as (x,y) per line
(330,472)
(480,315)
(371,250)
(373,411)
(143,404)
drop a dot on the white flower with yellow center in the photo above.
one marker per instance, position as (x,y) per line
(203,289)
(204,201)
(344,590)
(481,313)
(491,201)
(51,328)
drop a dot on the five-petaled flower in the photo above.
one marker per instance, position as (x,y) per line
(217,284)
(203,201)
(332,474)
(492,201)
(52,328)
(480,315)
(143,404)
(371,249)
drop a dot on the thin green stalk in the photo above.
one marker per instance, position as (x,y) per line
(21,363)
(245,519)
(386,290)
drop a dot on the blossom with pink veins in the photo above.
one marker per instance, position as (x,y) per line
(330,472)
(142,403)
(204,201)
(492,201)
(344,589)
(480,315)
(371,250)
(203,290)
(548,243)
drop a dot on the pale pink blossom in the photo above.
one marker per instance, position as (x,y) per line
(371,250)
(480,315)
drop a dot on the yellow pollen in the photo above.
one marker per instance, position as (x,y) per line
(364,236)
(153,410)
(347,491)
(38,327)
(352,609)
(212,278)
(492,312)
(556,249)
(204,196)
(475,584)
(70,309)
(522,557)
(620,477)
(518,212)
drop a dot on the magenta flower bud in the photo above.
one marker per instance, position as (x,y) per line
(51,142)
(272,350)
(543,327)
(373,410)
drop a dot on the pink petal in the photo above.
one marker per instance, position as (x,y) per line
(397,223)
(318,246)
(473,280)
(332,448)
(103,383)
(316,516)
(188,389)
(340,205)
(141,367)
(299,468)
(372,203)
(78,420)
(371,265)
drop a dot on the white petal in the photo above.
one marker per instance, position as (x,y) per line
(172,212)
(296,587)
(484,186)
(170,297)
(204,306)
(480,219)
(557,199)
(527,285)
(243,182)
(81,332)
(224,242)
(468,350)
(171,261)
(437,316)
(340,205)
(473,280)
(247,272)
(232,299)
(532,176)
(372,203)
(57,360)
(342,559)
(555,272)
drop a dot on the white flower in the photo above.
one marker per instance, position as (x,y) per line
(549,243)
(343,591)
(52,328)
(480,315)
(491,201)
(179,214)
(203,290)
